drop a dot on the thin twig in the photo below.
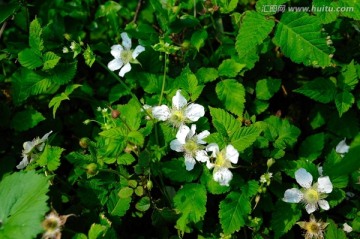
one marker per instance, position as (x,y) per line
(3,28)
(137,11)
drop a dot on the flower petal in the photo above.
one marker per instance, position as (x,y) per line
(189,162)
(115,64)
(194,112)
(293,195)
(28,146)
(126,68)
(182,133)
(24,162)
(192,131)
(161,112)
(325,185)
(178,101)
(46,136)
(303,178)
(214,148)
(116,51)
(202,136)
(223,176)
(126,41)
(342,147)
(231,154)
(310,208)
(202,156)
(137,51)
(176,145)
(324,204)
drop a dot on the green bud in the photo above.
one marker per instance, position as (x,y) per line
(149,185)
(92,169)
(84,142)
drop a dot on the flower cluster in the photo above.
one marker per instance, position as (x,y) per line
(192,144)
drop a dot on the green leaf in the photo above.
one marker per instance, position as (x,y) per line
(151,83)
(224,122)
(117,92)
(26,119)
(190,202)
(343,101)
(188,81)
(63,73)
(300,37)
(232,95)
(175,170)
(56,100)
(212,186)
(253,31)
(136,138)
(50,60)
(348,78)
(266,88)
(8,9)
(353,9)
(50,157)
(244,137)
(130,113)
(230,68)
(118,206)
(143,204)
(312,146)
(282,222)
(266,7)
(198,38)
(96,231)
(23,204)
(79,236)
(115,141)
(332,232)
(205,75)
(30,59)
(126,192)
(320,89)
(325,16)
(125,159)
(110,10)
(227,6)
(89,56)
(35,41)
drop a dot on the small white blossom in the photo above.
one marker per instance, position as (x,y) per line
(31,150)
(347,228)
(124,55)
(65,50)
(266,178)
(191,144)
(312,195)
(180,113)
(342,148)
(222,162)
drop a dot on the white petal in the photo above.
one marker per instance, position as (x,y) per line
(303,178)
(209,165)
(325,185)
(178,101)
(192,131)
(126,68)
(28,146)
(342,147)
(176,145)
(231,154)
(214,148)
(24,162)
(182,133)
(126,41)
(40,147)
(347,228)
(320,170)
(189,162)
(194,112)
(115,64)
(324,204)
(293,195)
(46,136)
(202,136)
(202,156)
(116,51)
(310,208)
(223,176)
(137,51)
(161,112)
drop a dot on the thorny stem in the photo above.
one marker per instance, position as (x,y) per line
(164,79)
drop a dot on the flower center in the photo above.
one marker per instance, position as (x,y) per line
(191,147)
(51,224)
(313,227)
(311,195)
(126,56)
(177,118)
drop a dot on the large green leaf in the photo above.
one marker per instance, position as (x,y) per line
(51,157)
(232,95)
(284,217)
(50,60)
(300,37)
(230,68)
(244,137)
(266,88)
(332,232)
(320,89)
(23,205)
(35,41)
(30,59)
(26,119)
(351,9)
(224,122)
(343,101)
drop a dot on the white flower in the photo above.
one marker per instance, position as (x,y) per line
(31,150)
(266,178)
(310,195)
(222,162)
(342,148)
(347,228)
(191,144)
(124,55)
(180,113)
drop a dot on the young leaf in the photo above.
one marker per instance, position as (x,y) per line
(266,88)
(320,89)
(254,29)
(232,95)
(300,37)
(190,201)
(23,204)
(118,206)
(26,119)
(143,204)
(35,41)
(125,159)
(198,39)
(230,68)
(30,59)
(348,78)
(282,222)
(50,60)
(50,157)
(312,146)
(343,101)
(96,231)
(89,56)
(227,6)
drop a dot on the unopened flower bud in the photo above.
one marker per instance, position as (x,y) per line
(115,114)
(149,185)
(270,162)
(92,169)
(84,143)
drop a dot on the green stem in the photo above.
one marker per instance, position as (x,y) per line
(164,79)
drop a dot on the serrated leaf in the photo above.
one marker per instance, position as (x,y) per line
(188,81)
(8,9)
(282,222)
(151,83)
(230,68)
(224,122)
(227,6)
(130,113)
(281,132)
(143,204)
(232,95)
(311,148)
(96,231)
(266,88)
(325,16)
(63,73)
(300,37)
(50,60)
(115,141)
(254,29)
(26,119)
(126,192)
(125,159)
(89,56)
(136,138)
(198,38)
(348,78)
(23,204)
(244,137)
(118,206)
(320,89)
(211,185)
(175,170)
(332,232)
(56,100)
(50,157)
(353,9)
(30,59)
(205,75)
(343,101)
(35,41)
(190,201)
